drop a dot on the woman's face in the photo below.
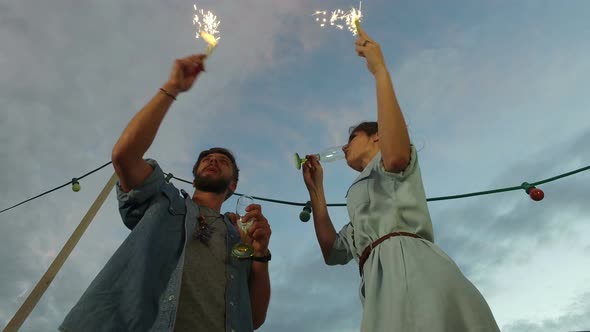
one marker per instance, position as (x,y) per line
(360,150)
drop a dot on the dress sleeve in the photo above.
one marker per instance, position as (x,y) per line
(400,176)
(342,249)
(133,204)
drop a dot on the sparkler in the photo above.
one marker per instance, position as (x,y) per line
(340,19)
(207,28)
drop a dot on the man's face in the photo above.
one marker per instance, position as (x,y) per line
(214,173)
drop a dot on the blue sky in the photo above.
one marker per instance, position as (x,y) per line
(494,93)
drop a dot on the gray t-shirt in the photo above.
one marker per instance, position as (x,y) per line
(202,294)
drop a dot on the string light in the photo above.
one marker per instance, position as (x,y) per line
(168,177)
(58,187)
(531,189)
(535,193)
(75,185)
(305,215)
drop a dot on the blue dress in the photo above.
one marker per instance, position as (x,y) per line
(408,284)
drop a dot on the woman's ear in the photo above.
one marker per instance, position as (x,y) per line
(375,137)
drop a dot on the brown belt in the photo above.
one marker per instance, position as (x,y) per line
(370,247)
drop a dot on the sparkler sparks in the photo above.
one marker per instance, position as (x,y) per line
(207,27)
(340,19)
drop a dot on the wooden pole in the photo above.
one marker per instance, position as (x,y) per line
(23,312)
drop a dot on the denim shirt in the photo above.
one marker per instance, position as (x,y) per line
(139,287)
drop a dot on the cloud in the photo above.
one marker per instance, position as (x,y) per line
(308,295)
(576,319)
(498,240)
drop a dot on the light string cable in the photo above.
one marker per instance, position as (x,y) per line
(528,187)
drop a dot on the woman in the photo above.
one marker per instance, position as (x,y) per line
(407,282)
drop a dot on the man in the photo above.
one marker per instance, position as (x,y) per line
(174,272)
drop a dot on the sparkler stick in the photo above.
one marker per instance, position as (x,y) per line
(211,42)
(357,19)
(207,28)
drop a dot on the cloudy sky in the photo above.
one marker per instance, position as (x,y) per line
(494,93)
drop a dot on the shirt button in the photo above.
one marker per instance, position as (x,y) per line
(232,276)
(231,303)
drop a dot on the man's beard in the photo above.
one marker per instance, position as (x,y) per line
(216,186)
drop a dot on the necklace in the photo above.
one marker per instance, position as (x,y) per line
(202,231)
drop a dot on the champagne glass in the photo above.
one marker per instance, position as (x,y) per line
(326,155)
(242,249)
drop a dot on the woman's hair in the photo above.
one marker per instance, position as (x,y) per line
(368,127)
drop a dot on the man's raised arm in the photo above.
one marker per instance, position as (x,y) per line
(127,154)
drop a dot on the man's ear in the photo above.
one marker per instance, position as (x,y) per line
(232,186)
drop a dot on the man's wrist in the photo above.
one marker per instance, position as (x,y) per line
(264,252)
(170,89)
(262,257)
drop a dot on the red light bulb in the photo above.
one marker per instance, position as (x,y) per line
(536,194)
